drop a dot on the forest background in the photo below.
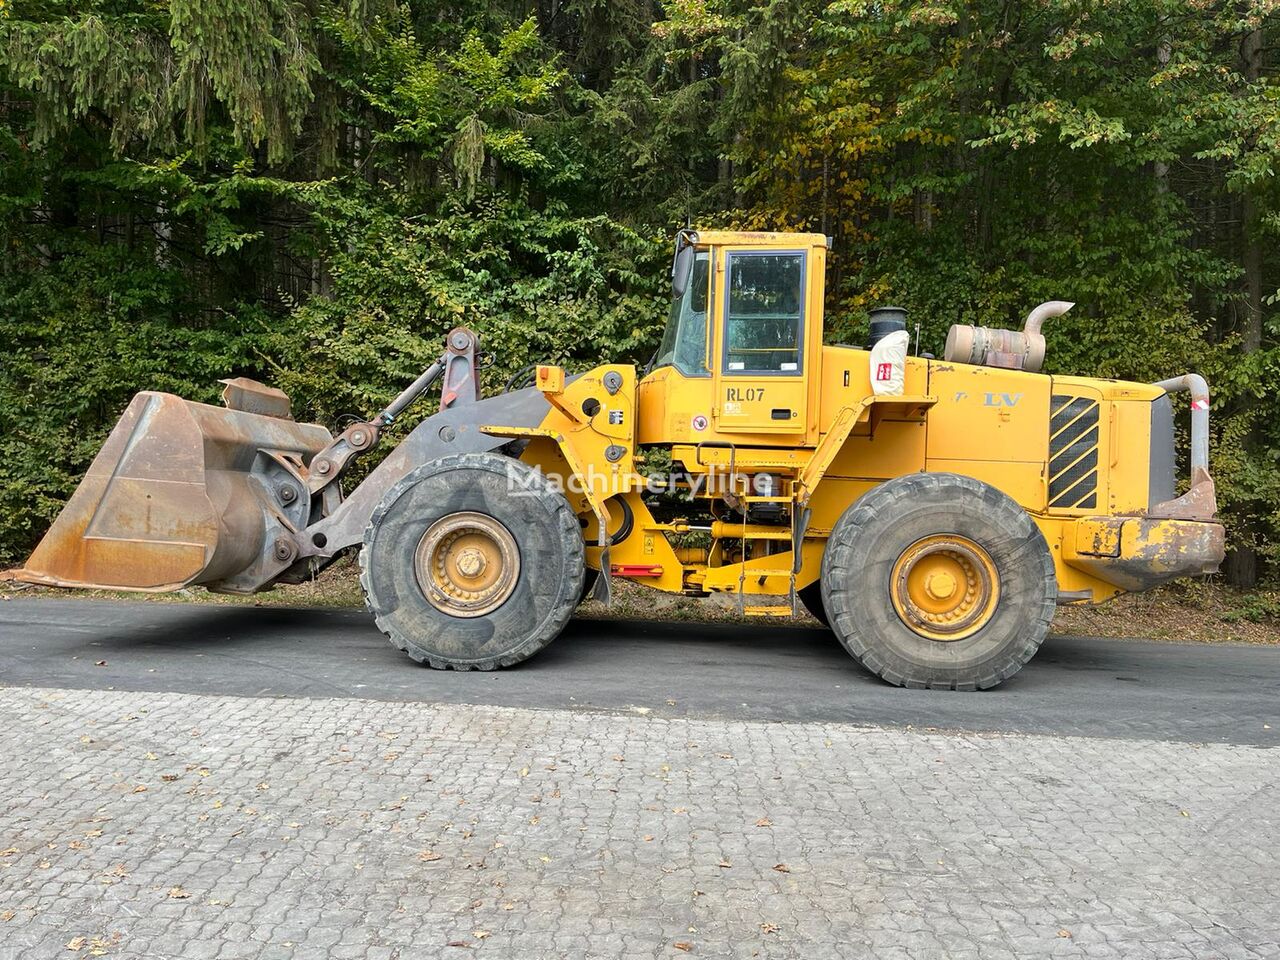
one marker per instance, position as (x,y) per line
(312,192)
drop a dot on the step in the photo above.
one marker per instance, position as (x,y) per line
(767,611)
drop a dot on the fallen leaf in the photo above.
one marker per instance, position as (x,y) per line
(480,934)
(178,893)
(684,945)
(1184,813)
(9,853)
(725,864)
(429,856)
(764,822)
(619,757)
(77,943)
(7,916)
(140,788)
(524,771)
(168,777)
(458,943)
(648,838)
(782,868)
(151,756)
(768,928)
(93,833)
(1065,934)
(97,663)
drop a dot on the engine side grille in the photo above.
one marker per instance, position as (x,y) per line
(1073,452)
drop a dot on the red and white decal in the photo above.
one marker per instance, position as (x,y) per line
(884,372)
(699,423)
(1199,404)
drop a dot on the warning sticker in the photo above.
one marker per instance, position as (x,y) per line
(699,422)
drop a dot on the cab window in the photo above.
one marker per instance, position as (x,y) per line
(764,313)
(684,343)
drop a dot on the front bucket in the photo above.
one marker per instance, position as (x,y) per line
(172,499)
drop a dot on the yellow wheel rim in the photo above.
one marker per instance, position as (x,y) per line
(467,564)
(945,587)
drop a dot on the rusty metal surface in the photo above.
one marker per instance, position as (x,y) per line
(250,396)
(1155,551)
(170,500)
(1138,553)
(1198,503)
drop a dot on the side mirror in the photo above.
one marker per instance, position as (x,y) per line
(681,265)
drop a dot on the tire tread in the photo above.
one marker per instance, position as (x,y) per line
(550,626)
(891,497)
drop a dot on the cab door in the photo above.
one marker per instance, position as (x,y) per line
(760,367)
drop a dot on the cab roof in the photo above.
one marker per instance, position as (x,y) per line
(757,238)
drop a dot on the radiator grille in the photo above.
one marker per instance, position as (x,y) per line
(1073,452)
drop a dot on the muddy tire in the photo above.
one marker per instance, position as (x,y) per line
(472,562)
(938,580)
(811,597)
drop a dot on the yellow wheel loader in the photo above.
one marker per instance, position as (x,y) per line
(930,512)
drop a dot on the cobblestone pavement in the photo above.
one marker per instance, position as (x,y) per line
(174,825)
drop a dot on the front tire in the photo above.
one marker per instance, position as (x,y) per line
(472,562)
(939,580)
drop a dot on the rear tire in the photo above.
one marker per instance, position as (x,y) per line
(992,568)
(472,562)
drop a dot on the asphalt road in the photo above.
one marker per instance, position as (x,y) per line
(1075,686)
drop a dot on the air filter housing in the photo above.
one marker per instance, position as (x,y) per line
(995,347)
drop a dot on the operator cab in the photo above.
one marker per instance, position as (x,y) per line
(742,341)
